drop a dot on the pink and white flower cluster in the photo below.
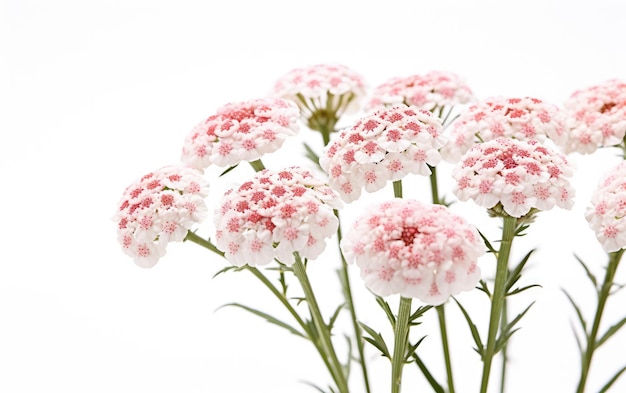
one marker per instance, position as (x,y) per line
(597,117)
(520,175)
(160,208)
(416,250)
(383,146)
(242,131)
(434,89)
(500,117)
(274,215)
(322,87)
(607,213)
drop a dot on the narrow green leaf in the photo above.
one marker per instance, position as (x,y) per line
(616,288)
(376,339)
(489,246)
(581,319)
(417,314)
(522,289)
(611,381)
(578,342)
(314,386)
(333,318)
(474,330)
(611,331)
(227,269)
(228,170)
(311,155)
(267,317)
(429,377)
(508,330)
(483,287)
(385,306)
(410,352)
(516,273)
(593,278)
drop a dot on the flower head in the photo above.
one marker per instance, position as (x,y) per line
(607,213)
(274,215)
(383,146)
(519,175)
(243,131)
(432,90)
(597,117)
(160,208)
(324,92)
(416,250)
(499,117)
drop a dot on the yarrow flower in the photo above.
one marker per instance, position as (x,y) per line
(383,146)
(324,92)
(519,175)
(243,131)
(435,89)
(416,250)
(597,117)
(160,208)
(274,215)
(499,117)
(607,213)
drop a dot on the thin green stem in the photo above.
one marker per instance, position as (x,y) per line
(497,297)
(335,366)
(503,322)
(397,188)
(401,338)
(194,238)
(257,165)
(444,341)
(434,191)
(592,338)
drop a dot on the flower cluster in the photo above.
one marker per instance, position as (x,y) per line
(416,250)
(383,146)
(519,175)
(159,208)
(597,117)
(434,89)
(607,213)
(242,131)
(322,91)
(499,117)
(274,215)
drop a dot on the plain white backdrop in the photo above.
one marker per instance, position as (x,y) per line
(96,93)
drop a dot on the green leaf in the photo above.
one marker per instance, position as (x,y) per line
(227,269)
(433,382)
(522,289)
(483,287)
(581,319)
(228,170)
(311,155)
(578,342)
(508,330)
(410,352)
(519,231)
(611,381)
(479,344)
(515,274)
(592,278)
(385,306)
(267,317)
(333,318)
(611,331)
(316,387)
(376,340)
(417,314)
(489,246)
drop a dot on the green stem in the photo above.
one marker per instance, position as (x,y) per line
(503,322)
(401,338)
(497,298)
(194,238)
(444,341)
(434,192)
(603,294)
(397,188)
(347,290)
(257,165)
(335,366)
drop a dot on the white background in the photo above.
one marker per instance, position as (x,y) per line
(94,94)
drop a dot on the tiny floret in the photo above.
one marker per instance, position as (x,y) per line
(275,214)
(415,250)
(519,175)
(160,208)
(243,131)
(607,211)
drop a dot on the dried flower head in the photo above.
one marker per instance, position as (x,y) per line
(324,92)
(499,117)
(160,208)
(243,131)
(274,215)
(607,213)
(435,89)
(383,146)
(416,250)
(596,117)
(519,175)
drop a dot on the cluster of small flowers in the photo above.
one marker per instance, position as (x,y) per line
(607,213)
(242,131)
(499,117)
(519,175)
(160,208)
(597,117)
(274,215)
(383,146)
(416,250)
(322,86)
(434,89)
